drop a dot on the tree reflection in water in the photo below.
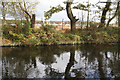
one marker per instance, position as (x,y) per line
(83,61)
(71,63)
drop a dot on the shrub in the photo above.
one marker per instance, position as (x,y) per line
(49,35)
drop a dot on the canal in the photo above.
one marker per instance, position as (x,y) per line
(63,61)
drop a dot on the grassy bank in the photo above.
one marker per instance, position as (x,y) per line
(48,35)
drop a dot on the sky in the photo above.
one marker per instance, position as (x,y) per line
(44,5)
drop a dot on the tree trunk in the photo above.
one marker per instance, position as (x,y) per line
(88,16)
(3,11)
(33,21)
(73,26)
(119,14)
(103,18)
(119,21)
(72,18)
(27,15)
(113,16)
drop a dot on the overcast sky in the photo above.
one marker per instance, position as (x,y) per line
(44,5)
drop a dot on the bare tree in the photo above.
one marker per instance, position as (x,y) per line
(29,18)
(20,9)
(104,13)
(115,14)
(68,9)
(72,18)
(3,11)
(119,13)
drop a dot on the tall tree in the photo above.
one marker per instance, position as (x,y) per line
(88,16)
(30,18)
(22,9)
(68,9)
(72,18)
(3,10)
(104,13)
(115,14)
(119,14)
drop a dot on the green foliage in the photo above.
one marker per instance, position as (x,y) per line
(45,35)
(93,25)
(12,29)
(81,7)
(53,10)
(49,35)
(70,36)
(106,35)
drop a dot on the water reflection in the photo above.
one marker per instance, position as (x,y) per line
(0,63)
(83,61)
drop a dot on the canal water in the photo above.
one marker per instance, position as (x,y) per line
(64,61)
